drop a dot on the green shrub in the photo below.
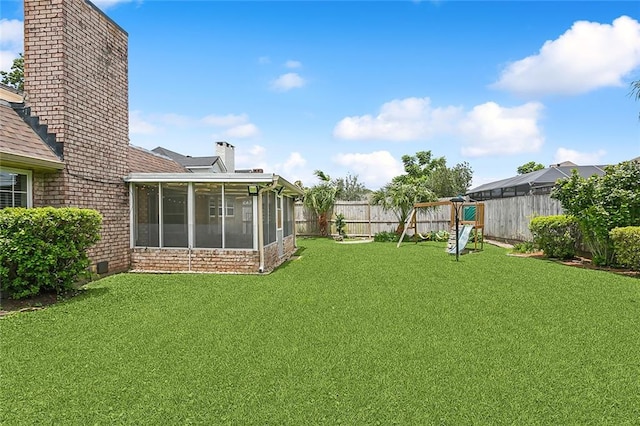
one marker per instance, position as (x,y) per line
(45,248)
(524,247)
(386,237)
(389,237)
(341,225)
(602,203)
(626,243)
(557,236)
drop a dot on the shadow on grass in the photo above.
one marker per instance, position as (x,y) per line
(42,300)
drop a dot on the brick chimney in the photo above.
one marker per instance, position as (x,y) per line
(226,152)
(76,82)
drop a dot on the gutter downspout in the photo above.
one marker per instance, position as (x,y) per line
(260,222)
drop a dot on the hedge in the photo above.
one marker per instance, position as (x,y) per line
(557,235)
(626,244)
(45,248)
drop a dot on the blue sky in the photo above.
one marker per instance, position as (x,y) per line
(349,87)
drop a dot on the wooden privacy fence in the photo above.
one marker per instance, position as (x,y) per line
(505,218)
(365,220)
(508,218)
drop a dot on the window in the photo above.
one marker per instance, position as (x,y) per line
(146,216)
(269,217)
(288,213)
(174,215)
(15,188)
(212,215)
(208,231)
(238,228)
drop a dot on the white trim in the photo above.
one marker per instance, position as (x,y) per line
(223,201)
(160,218)
(191,213)
(133,222)
(29,174)
(256,229)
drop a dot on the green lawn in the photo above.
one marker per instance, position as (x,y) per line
(346,334)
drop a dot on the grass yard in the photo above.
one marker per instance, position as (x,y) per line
(346,334)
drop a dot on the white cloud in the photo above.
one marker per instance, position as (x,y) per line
(11,42)
(254,157)
(399,120)
(588,56)
(487,129)
(579,158)
(293,64)
(490,129)
(138,126)
(287,82)
(242,131)
(228,120)
(375,169)
(294,161)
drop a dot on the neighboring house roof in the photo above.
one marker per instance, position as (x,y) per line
(140,160)
(192,162)
(20,145)
(538,179)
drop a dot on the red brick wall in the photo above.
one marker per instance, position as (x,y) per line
(209,260)
(76,81)
(202,260)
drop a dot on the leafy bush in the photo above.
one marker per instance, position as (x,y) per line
(626,243)
(340,224)
(602,203)
(557,236)
(386,237)
(45,248)
(524,247)
(389,237)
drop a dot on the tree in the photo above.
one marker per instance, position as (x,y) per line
(15,77)
(529,167)
(601,203)
(321,198)
(443,181)
(425,179)
(635,91)
(400,195)
(349,189)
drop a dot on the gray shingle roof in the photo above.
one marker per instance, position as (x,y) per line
(19,143)
(539,178)
(186,160)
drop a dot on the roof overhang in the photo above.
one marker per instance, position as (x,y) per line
(260,179)
(24,162)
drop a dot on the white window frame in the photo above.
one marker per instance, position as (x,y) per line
(29,175)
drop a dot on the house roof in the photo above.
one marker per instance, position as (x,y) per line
(20,145)
(263,180)
(140,160)
(539,178)
(187,160)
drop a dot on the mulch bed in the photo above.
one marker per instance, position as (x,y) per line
(581,262)
(34,303)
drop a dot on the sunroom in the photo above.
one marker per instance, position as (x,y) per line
(218,222)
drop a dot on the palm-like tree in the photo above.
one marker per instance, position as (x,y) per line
(321,198)
(400,195)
